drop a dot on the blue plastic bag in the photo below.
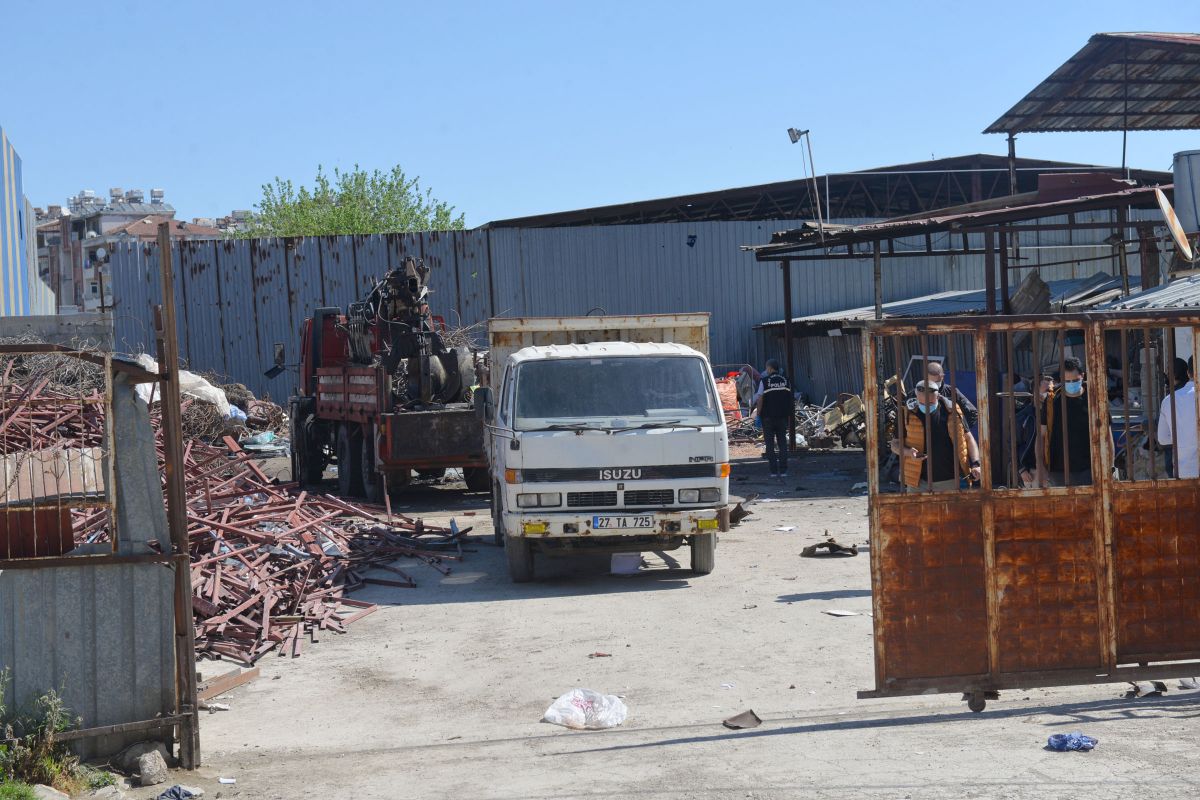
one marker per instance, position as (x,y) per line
(1071,741)
(758,423)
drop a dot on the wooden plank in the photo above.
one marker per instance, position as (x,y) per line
(223,683)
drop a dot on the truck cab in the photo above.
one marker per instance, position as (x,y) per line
(609,447)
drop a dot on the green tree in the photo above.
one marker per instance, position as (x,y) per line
(356,201)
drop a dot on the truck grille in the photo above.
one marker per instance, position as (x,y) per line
(591,499)
(650,497)
(661,472)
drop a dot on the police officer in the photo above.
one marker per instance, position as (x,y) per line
(775,405)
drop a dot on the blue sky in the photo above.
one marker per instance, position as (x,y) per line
(508,109)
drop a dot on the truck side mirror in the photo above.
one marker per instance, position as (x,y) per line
(278,367)
(485,403)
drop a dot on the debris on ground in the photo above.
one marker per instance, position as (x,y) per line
(742,721)
(178,792)
(1063,742)
(841,612)
(737,514)
(584,709)
(1146,689)
(831,548)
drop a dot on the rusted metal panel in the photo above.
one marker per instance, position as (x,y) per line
(932,598)
(1157,571)
(1003,586)
(1047,596)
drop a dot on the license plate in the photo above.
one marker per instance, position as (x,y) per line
(613,522)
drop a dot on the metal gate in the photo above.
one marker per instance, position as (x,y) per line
(1033,577)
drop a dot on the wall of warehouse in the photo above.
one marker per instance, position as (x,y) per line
(22,291)
(236,298)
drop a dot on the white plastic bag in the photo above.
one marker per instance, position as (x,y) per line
(190,384)
(583,709)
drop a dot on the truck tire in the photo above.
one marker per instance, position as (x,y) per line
(372,482)
(477,479)
(704,552)
(308,460)
(519,551)
(349,456)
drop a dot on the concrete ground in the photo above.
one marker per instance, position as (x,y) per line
(440,693)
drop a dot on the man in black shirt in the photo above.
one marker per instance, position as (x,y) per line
(775,407)
(1066,408)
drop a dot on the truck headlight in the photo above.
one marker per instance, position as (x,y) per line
(540,500)
(689,495)
(710,495)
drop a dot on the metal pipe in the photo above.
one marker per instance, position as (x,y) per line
(786,266)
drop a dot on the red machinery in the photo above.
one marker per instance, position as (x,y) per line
(381,395)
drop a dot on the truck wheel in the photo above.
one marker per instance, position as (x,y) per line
(477,479)
(372,483)
(349,456)
(308,460)
(520,558)
(704,552)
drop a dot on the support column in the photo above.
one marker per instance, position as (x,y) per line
(787,345)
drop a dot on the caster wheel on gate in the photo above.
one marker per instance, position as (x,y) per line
(976,702)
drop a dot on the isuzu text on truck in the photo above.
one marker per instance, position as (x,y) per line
(605,446)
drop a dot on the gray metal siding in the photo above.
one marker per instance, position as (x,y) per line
(238,298)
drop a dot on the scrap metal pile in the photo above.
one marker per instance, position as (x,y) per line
(271,566)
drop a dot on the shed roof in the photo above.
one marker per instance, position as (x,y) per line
(1018,209)
(1118,81)
(876,192)
(1179,293)
(1073,292)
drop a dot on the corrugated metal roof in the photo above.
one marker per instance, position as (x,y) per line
(972,301)
(797,240)
(1179,293)
(1118,81)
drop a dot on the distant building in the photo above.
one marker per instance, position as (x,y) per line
(22,289)
(78,240)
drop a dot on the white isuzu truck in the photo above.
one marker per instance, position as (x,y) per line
(605,434)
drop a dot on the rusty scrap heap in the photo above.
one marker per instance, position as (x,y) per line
(270,565)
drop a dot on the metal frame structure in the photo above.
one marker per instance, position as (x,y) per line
(173,551)
(999,587)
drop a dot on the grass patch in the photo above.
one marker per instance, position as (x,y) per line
(16,791)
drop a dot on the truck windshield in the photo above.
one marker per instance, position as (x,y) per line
(615,392)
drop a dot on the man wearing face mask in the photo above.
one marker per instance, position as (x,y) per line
(1068,398)
(948,439)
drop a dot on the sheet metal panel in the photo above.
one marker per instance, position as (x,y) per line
(102,635)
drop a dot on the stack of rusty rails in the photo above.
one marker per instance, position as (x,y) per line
(272,566)
(53,459)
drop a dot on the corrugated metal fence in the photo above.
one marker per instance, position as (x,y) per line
(238,297)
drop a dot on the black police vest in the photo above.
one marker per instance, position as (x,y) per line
(777,396)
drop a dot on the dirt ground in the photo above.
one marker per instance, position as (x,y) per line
(440,693)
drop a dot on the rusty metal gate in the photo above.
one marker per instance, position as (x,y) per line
(1031,576)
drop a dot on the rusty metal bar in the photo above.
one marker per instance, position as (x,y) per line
(1169,336)
(948,370)
(172,426)
(901,411)
(1102,457)
(1039,409)
(1051,322)
(1010,413)
(1149,377)
(1062,407)
(984,409)
(1125,404)
(928,426)
(1122,257)
(873,408)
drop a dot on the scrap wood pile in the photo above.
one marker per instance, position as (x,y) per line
(272,566)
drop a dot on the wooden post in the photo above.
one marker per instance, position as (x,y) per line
(167,341)
(878,280)
(787,346)
(1122,258)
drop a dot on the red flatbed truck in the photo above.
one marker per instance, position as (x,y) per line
(381,396)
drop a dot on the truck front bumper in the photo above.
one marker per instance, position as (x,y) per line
(577,524)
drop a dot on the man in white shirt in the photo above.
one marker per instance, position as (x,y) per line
(1183,440)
